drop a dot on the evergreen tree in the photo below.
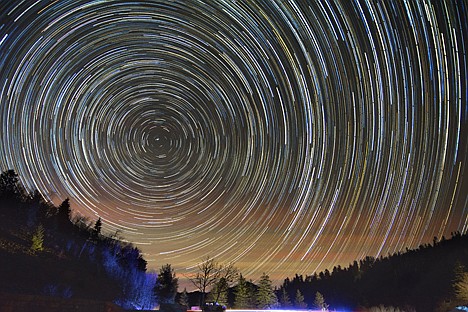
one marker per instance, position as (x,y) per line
(241,294)
(284,300)
(38,239)
(98,226)
(97,229)
(166,285)
(62,217)
(299,300)
(64,211)
(266,298)
(319,302)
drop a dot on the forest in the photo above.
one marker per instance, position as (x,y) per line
(433,277)
(46,250)
(50,251)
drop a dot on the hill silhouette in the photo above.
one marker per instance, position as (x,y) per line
(44,252)
(422,279)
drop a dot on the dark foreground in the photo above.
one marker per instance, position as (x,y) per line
(29,303)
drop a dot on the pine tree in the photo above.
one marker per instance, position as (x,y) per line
(97,229)
(38,239)
(166,285)
(64,213)
(319,302)
(242,296)
(98,226)
(266,298)
(63,217)
(284,299)
(299,301)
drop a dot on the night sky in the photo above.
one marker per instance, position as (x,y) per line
(285,136)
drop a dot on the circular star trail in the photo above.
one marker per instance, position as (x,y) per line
(285,136)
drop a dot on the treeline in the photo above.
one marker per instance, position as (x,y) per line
(429,278)
(433,277)
(44,250)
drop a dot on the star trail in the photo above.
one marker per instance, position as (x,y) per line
(286,136)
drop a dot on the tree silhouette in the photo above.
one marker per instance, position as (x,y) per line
(208,274)
(98,226)
(64,210)
(63,216)
(97,229)
(166,285)
(9,186)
